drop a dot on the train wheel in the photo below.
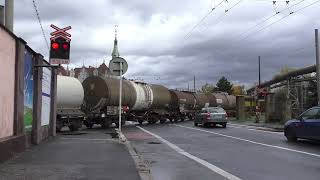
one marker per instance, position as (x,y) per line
(224,125)
(163,120)
(140,122)
(182,118)
(59,126)
(105,124)
(73,128)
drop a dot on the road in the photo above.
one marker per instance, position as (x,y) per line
(184,152)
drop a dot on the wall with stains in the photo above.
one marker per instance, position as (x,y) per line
(7,89)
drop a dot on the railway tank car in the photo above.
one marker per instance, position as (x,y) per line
(69,100)
(102,99)
(151,103)
(143,102)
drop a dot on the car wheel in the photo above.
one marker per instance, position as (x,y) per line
(290,135)
(195,124)
(205,125)
(224,125)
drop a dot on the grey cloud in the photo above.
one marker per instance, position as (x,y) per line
(213,49)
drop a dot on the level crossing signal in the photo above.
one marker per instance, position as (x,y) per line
(60,45)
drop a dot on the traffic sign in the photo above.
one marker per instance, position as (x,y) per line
(60,45)
(118,65)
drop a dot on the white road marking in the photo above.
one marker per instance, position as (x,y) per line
(87,139)
(252,129)
(200,161)
(253,142)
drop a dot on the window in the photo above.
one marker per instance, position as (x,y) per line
(216,110)
(203,111)
(311,114)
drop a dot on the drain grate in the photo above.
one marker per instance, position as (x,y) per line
(152,142)
(74,133)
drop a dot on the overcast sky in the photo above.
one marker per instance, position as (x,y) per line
(152,36)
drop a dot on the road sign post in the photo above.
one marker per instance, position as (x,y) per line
(118,67)
(120,97)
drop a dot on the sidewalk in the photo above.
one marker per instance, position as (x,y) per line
(275,126)
(91,154)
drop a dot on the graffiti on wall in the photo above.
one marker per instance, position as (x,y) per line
(28,90)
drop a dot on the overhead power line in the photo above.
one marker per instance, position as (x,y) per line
(202,19)
(267,19)
(39,19)
(233,6)
(220,18)
(265,27)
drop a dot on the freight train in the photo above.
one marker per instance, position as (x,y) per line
(140,102)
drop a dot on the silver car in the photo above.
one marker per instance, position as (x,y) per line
(212,116)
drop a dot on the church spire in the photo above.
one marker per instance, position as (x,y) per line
(115,52)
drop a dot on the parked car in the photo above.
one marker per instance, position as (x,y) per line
(211,115)
(306,126)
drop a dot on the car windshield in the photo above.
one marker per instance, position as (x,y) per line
(216,110)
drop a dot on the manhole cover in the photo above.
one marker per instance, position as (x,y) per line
(74,133)
(154,142)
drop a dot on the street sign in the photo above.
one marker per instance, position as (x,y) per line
(60,45)
(115,66)
(60,33)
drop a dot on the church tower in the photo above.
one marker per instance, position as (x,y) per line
(115,52)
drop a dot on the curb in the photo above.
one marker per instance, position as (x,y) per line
(261,127)
(143,169)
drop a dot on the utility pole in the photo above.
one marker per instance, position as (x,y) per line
(1,14)
(9,14)
(259,72)
(317,64)
(194,83)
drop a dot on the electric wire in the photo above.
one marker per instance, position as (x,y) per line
(234,5)
(267,19)
(220,18)
(283,18)
(39,19)
(202,19)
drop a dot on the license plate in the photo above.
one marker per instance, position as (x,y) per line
(218,116)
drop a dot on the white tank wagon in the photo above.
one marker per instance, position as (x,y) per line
(151,103)
(70,96)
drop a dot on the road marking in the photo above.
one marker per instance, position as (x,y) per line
(253,142)
(252,129)
(87,139)
(200,161)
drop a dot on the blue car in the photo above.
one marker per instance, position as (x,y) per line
(306,126)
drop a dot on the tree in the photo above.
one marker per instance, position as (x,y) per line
(238,90)
(208,88)
(224,85)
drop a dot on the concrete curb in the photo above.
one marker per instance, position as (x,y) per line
(261,127)
(143,169)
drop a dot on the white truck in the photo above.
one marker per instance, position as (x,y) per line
(70,96)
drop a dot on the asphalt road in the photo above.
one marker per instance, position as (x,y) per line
(184,152)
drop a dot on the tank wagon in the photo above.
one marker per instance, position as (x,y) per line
(69,100)
(143,102)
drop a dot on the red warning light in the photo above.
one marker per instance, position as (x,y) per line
(55,45)
(65,46)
